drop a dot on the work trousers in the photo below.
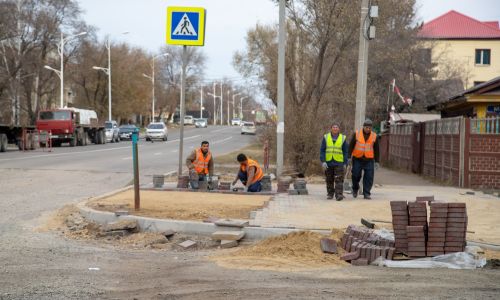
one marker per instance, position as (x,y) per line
(367,167)
(335,180)
(254,187)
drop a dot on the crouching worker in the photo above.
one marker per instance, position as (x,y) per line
(250,174)
(200,164)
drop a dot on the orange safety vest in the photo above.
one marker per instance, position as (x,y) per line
(201,162)
(362,147)
(258,170)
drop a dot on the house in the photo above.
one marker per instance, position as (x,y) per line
(456,41)
(480,101)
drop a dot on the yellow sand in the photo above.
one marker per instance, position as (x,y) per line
(194,206)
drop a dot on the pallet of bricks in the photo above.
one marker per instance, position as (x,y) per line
(363,246)
(444,233)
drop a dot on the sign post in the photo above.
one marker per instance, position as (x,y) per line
(135,157)
(185,27)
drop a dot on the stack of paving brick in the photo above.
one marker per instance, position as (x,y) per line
(400,220)
(283,185)
(183,182)
(363,246)
(456,228)
(299,187)
(266,183)
(436,235)
(225,185)
(416,241)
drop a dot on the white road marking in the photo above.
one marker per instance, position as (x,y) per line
(221,129)
(127,158)
(222,141)
(188,138)
(175,150)
(158,153)
(64,154)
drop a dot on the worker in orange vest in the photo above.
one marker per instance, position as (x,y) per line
(250,174)
(364,150)
(200,164)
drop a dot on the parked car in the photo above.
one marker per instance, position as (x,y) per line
(201,123)
(126,131)
(112,131)
(236,122)
(248,128)
(188,120)
(157,131)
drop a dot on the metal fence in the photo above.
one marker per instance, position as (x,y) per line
(485,126)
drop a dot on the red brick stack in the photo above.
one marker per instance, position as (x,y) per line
(363,246)
(400,220)
(437,229)
(416,241)
(418,214)
(456,228)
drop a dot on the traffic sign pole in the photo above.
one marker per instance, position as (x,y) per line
(183,95)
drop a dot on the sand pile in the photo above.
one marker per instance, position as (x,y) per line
(291,252)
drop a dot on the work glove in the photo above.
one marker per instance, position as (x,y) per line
(324,165)
(376,166)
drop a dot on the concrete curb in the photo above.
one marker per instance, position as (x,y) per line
(185,227)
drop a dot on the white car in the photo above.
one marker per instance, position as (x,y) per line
(236,122)
(157,131)
(200,123)
(248,128)
(188,120)
(112,131)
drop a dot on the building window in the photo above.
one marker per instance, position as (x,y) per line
(483,56)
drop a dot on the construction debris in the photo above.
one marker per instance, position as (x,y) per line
(129,225)
(228,244)
(231,223)
(168,233)
(187,244)
(228,235)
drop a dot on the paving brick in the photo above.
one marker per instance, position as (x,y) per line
(350,256)
(439,214)
(328,245)
(457,215)
(457,210)
(439,205)
(425,198)
(360,262)
(228,235)
(398,203)
(453,234)
(453,249)
(433,219)
(439,210)
(435,244)
(433,234)
(188,244)
(417,254)
(453,229)
(435,253)
(437,225)
(414,229)
(399,213)
(418,214)
(437,229)
(454,244)
(456,220)
(456,205)
(417,248)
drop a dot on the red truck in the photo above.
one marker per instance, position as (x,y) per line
(75,126)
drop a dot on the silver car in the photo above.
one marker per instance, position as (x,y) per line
(157,131)
(201,123)
(248,128)
(112,131)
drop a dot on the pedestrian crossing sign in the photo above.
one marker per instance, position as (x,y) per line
(186,26)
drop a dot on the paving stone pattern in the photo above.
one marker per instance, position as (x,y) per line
(362,244)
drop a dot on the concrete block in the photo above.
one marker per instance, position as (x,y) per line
(121,225)
(328,245)
(121,213)
(187,244)
(228,244)
(231,223)
(228,235)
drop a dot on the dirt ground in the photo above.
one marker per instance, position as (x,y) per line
(193,206)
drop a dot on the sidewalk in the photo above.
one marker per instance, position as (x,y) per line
(313,211)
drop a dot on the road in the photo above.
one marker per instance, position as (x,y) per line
(156,157)
(37,264)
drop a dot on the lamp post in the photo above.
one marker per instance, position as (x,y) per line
(241,107)
(152,78)
(60,73)
(233,102)
(215,97)
(107,71)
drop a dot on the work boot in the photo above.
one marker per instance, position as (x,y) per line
(329,197)
(368,197)
(339,197)
(355,194)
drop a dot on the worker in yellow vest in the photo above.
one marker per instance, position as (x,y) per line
(333,156)
(364,150)
(200,164)
(250,174)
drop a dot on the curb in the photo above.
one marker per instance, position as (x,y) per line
(180,226)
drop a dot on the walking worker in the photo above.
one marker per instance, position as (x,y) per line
(200,164)
(250,174)
(364,150)
(333,156)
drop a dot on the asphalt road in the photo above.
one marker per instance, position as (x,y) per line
(156,157)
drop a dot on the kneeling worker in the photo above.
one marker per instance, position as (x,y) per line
(250,174)
(200,164)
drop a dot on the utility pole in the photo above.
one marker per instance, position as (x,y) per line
(215,119)
(359,115)
(221,114)
(280,129)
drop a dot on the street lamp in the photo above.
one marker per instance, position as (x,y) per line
(215,97)
(152,78)
(60,73)
(107,71)
(241,107)
(233,102)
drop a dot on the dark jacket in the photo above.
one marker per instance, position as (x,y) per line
(376,151)
(322,152)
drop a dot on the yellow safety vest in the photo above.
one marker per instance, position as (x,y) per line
(334,151)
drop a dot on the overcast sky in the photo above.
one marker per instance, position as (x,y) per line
(228,22)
